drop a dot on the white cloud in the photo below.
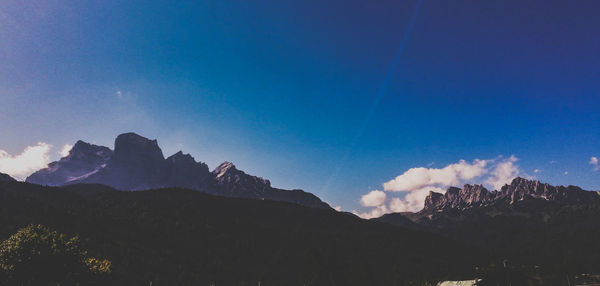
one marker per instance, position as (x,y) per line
(416,183)
(373,213)
(453,174)
(566,173)
(504,172)
(536,171)
(413,201)
(594,163)
(373,199)
(119,94)
(30,160)
(338,208)
(64,152)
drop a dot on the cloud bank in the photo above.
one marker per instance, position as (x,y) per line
(414,184)
(30,160)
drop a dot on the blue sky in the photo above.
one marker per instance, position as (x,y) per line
(287,89)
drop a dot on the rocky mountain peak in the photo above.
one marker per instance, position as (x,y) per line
(433,199)
(228,174)
(224,168)
(81,146)
(82,150)
(519,183)
(520,189)
(179,157)
(84,160)
(130,145)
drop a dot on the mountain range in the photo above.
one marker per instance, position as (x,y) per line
(519,189)
(457,201)
(137,163)
(526,221)
(176,235)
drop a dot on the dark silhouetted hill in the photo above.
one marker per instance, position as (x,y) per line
(182,237)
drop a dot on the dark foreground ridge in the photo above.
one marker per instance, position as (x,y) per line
(6,178)
(137,163)
(182,237)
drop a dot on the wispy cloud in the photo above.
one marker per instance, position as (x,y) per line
(594,163)
(414,184)
(64,152)
(30,160)
(503,172)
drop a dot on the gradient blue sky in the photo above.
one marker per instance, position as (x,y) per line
(287,89)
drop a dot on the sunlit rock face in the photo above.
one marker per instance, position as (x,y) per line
(473,282)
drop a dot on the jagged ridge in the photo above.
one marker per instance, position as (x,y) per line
(138,163)
(519,189)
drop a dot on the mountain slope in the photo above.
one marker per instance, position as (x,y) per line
(182,237)
(6,178)
(235,183)
(138,163)
(83,160)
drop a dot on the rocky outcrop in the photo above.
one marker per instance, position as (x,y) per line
(433,200)
(468,196)
(238,183)
(520,189)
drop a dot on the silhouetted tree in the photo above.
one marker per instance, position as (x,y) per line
(36,255)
